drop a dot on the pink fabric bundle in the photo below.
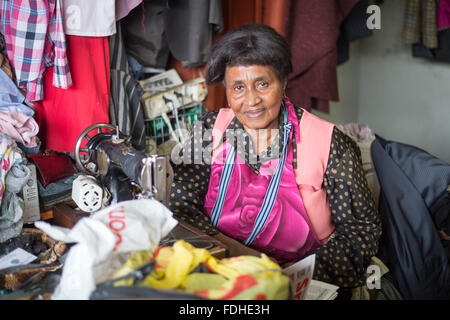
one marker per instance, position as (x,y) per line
(20,127)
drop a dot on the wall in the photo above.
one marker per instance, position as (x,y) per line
(346,109)
(401,98)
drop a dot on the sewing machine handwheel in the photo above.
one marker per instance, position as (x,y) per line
(83,165)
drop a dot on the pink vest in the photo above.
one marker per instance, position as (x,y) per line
(313,148)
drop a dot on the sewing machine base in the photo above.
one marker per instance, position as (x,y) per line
(66,215)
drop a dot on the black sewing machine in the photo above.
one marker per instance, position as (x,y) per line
(103,152)
(110,157)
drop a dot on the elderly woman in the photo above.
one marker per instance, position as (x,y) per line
(266,176)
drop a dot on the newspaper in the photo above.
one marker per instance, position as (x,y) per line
(300,274)
(318,290)
(161,82)
(303,286)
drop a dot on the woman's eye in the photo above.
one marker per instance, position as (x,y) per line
(262,85)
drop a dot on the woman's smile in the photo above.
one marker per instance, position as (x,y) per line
(255,113)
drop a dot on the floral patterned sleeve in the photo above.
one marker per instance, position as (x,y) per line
(345,257)
(191,180)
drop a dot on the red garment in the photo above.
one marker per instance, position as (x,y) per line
(312,30)
(443,15)
(65,113)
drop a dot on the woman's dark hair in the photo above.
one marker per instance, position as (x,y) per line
(251,44)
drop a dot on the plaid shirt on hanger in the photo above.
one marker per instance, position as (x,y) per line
(35,40)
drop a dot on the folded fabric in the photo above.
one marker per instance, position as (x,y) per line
(32,150)
(11,215)
(17,177)
(11,99)
(20,127)
(56,192)
(357,131)
(9,155)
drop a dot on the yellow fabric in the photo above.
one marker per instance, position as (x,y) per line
(136,260)
(242,277)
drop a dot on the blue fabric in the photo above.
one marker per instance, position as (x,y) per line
(411,180)
(32,150)
(56,192)
(11,99)
(135,66)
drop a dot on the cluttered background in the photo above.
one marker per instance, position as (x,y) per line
(137,67)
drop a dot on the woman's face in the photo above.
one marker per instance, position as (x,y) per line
(254,93)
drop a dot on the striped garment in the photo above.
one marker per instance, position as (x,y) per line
(419,26)
(35,40)
(125,109)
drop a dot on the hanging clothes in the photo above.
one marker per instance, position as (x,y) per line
(124,7)
(441,53)
(125,106)
(190,27)
(95,18)
(11,99)
(182,28)
(35,40)
(64,114)
(426,27)
(443,15)
(312,30)
(354,27)
(143,30)
(420,23)
(89,18)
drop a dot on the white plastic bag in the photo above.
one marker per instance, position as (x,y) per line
(105,240)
